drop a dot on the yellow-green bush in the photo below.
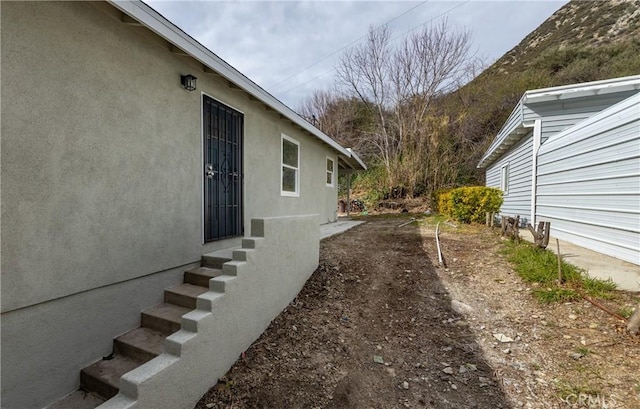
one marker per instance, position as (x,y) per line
(441,201)
(470,204)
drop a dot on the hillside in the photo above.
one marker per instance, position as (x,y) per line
(577,25)
(582,41)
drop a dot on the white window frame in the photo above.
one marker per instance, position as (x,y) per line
(504,178)
(283,192)
(332,172)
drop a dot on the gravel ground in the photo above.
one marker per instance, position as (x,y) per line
(381,325)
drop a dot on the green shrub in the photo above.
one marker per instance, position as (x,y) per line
(373,182)
(470,204)
(440,201)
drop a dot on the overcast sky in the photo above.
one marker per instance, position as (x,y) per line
(272,42)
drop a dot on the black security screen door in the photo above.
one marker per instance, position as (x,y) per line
(222,171)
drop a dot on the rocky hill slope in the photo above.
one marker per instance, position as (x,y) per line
(579,24)
(582,41)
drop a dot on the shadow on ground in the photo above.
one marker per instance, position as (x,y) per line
(372,328)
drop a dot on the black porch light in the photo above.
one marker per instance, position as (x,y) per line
(188,82)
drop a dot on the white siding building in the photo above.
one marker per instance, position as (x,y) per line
(571,155)
(589,182)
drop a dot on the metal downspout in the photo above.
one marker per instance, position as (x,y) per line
(537,140)
(349,193)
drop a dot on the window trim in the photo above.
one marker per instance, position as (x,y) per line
(332,171)
(504,178)
(283,192)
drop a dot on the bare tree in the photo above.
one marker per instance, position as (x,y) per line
(320,110)
(343,118)
(398,85)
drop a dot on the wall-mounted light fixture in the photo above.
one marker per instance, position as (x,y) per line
(188,82)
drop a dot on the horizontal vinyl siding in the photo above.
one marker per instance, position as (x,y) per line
(518,199)
(605,241)
(589,182)
(493,177)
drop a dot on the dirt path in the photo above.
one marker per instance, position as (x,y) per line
(374,328)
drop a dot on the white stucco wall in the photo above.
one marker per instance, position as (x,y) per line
(102,179)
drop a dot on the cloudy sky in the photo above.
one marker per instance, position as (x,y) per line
(290,48)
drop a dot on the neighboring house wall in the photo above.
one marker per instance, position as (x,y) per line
(589,182)
(102,179)
(517,198)
(560,115)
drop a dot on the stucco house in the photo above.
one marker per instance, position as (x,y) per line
(570,155)
(129,152)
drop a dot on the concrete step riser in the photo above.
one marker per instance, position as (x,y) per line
(103,377)
(160,324)
(180,299)
(214,262)
(197,279)
(132,351)
(89,383)
(139,346)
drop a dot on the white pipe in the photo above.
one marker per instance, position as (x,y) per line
(438,244)
(413,219)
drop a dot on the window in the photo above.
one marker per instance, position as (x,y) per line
(290,174)
(330,171)
(504,179)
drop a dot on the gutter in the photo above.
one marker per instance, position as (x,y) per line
(537,141)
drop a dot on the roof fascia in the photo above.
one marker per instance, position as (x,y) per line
(565,92)
(512,127)
(355,162)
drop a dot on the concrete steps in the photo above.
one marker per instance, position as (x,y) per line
(216,259)
(184,295)
(201,275)
(164,317)
(142,344)
(103,377)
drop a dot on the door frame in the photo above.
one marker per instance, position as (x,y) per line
(201,163)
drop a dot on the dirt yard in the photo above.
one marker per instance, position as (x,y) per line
(381,325)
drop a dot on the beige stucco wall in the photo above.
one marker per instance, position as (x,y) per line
(101,154)
(101,162)
(255,287)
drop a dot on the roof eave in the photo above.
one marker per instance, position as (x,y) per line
(497,144)
(355,161)
(565,92)
(510,140)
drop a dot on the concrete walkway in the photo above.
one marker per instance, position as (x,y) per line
(626,275)
(342,225)
(326,230)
